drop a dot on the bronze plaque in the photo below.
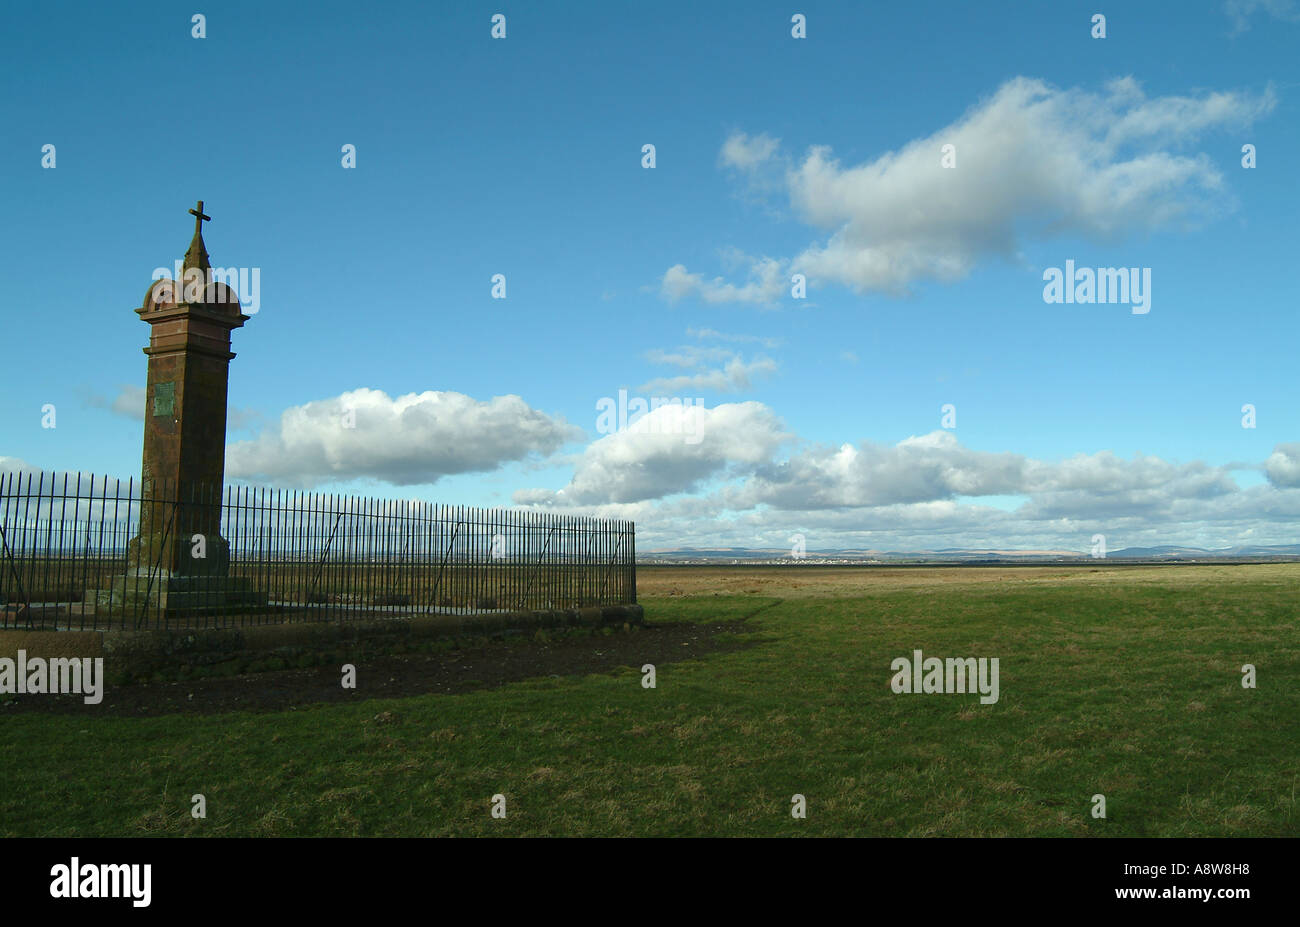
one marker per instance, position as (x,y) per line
(164,399)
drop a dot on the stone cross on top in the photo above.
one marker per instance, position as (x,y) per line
(199,218)
(197,255)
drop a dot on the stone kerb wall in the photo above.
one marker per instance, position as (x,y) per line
(133,656)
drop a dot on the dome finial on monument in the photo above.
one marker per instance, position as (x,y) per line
(197,255)
(195,285)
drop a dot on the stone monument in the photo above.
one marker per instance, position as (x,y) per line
(179,563)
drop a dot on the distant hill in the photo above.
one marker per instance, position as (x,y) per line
(1284,551)
(1167,553)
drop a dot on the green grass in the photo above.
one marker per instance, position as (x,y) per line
(1126,687)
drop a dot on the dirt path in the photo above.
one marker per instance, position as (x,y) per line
(479,666)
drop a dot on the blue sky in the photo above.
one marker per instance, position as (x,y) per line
(775,156)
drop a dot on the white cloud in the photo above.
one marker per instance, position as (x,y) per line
(129,402)
(243,419)
(734,374)
(744,153)
(1240,11)
(1032,162)
(1283,465)
(16,465)
(689,356)
(765,285)
(920,469)
(410,439)
(937,468)
(1258,515)
(705,333)
(672,449)
(922,492)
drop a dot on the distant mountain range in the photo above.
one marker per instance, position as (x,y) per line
(1168,553)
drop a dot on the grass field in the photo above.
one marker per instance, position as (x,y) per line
(1121,681)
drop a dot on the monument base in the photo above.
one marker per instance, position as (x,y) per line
(178,595)
(156,551)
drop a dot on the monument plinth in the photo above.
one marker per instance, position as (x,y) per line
(179,561)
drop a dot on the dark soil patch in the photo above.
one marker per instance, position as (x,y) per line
(482,664)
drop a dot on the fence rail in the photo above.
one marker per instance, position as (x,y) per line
(92,553)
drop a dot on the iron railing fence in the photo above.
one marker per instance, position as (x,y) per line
(91,553)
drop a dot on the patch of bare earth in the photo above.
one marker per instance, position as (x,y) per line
(482,665)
